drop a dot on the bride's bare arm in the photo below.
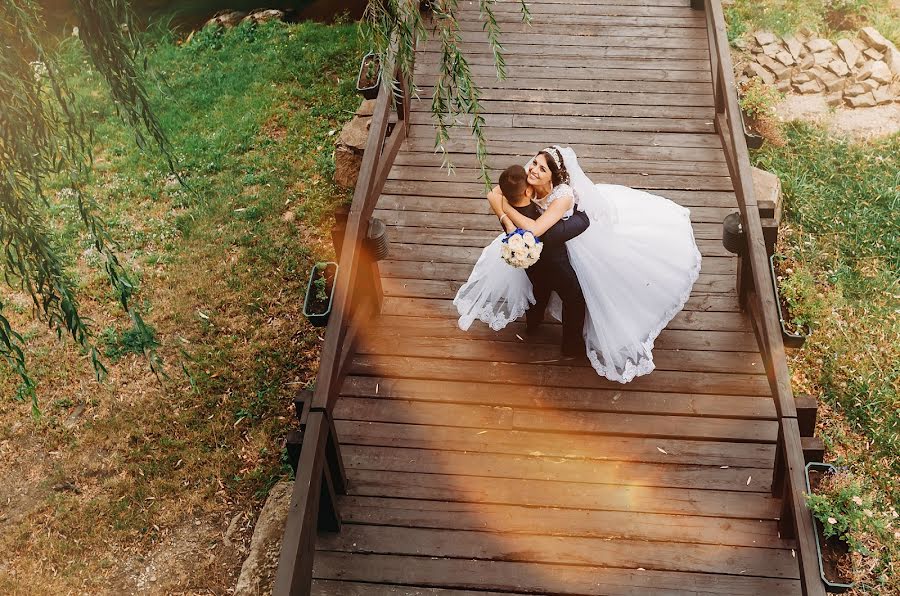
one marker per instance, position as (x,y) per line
(540,225)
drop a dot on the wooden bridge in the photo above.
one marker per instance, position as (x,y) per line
(474,463)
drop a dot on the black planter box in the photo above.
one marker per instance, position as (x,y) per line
(830,587)
(753,140)
(319,319)
(371,91)
(791,340)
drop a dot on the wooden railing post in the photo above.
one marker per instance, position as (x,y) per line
(757,295)
(744,282)
(807,411)
(294,576)
(314,448)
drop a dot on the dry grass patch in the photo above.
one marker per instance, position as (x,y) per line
(149,483)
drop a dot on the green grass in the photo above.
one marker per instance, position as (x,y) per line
(222,274)
(841,239)
(830,18)
(134,340)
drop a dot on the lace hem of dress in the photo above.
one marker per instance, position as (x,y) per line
(644,364)
(488,315)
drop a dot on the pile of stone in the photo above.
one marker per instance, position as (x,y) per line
(859,72)
(351,144)
(232,18)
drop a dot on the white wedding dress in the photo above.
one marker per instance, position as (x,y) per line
(636,264)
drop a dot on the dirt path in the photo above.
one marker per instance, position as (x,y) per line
(856,123)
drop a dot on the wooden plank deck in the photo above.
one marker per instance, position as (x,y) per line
(478,463)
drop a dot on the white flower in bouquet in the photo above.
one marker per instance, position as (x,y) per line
(521,249)
(529,239)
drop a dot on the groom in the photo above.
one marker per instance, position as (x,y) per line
(553,272)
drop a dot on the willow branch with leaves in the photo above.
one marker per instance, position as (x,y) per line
(395,27)
(43,134)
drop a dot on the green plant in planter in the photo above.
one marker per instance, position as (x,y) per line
(758,99)
(798,289)
(845,511)
(321,287)
(371,70)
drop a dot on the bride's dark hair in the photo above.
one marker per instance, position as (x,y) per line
(558,175)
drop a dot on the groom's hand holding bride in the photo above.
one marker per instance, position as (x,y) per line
(497,202)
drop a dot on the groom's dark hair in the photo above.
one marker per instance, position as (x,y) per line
(513,182)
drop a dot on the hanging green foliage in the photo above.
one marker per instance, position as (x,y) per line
(395,27)
(44,134)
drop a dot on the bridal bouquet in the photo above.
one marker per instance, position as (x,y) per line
(521,249)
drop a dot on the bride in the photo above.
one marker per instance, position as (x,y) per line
(636,262)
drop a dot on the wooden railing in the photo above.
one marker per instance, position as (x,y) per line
(357,298)
(757,295)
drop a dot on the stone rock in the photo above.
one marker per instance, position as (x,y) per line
(800,78)
(264,16)
(823,58)
(833,82)
(849,52)
(258,571)
(785,58)
(839,84)
(741,44)
(772,49)
(892,59)
(759,71)
(347,163)
(866,100)
(807,61)
(226,19)
(350,147)
(817,72)
(756,50)
(873,38)
(884,95)
(366,107)
(72,419)
(813,86)
(838,67)
(854,90)
(870,84)
(355,133)
(881,72)
(795,47)
(764,38)
(783,85)
(781,71)
(834,99)
(873,54)
(865,71)
(819,45)
(767,188)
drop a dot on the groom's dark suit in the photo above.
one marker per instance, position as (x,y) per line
(554,273)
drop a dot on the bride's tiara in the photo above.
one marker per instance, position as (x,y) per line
(556,156)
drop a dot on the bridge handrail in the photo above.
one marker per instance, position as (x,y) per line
(357,297)
(758,293)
